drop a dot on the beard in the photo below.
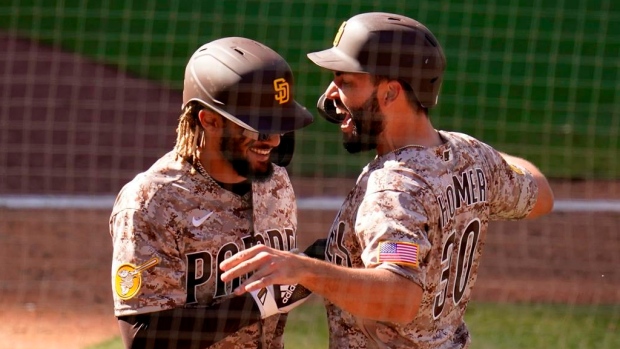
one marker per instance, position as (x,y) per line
(233,153)
(368,124)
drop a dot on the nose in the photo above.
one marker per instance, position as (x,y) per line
(273,140)
(332,91)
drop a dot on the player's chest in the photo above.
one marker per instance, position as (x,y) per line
(221,235)
(214,230)
(343,246)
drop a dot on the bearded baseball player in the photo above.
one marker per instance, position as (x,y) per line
(221,190)
(402,255)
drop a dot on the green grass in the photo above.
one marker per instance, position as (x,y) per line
(512,326)
(537,80)
(493,326)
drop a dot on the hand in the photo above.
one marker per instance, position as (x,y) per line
(269,266)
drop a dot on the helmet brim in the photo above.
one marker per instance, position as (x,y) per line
(335,60)
(290,118)
(295,116)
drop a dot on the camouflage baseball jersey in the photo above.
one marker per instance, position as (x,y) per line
(423,213)
(171,229)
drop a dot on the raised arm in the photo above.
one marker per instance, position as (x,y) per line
(544,201)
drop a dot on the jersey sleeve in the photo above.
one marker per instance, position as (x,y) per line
(514,190)
(392,224)
(147,271)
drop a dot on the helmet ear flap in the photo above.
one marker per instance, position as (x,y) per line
(327,109)
(283,153)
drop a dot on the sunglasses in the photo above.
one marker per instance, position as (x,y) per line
(257,136)
(249,133)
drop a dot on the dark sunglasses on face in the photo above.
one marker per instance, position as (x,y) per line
(252,134)
(257,136)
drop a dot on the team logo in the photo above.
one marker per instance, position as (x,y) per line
(128,278)
(339,33)
(281,87)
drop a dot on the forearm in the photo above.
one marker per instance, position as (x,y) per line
(376,294)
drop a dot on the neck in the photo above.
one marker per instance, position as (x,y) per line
(219,168)
(412,130)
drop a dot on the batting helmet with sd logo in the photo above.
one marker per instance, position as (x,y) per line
(387,45)
(249,84)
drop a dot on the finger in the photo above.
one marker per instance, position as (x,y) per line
(239,270)
(257,277)
(240,257)
(252,284)
(247,266)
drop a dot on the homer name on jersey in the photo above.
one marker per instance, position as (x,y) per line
(467,188)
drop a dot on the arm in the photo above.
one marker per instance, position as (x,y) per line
(544,200)
(370,293)
(376,294)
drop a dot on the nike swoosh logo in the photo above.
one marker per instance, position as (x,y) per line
(178,186)
(198,221)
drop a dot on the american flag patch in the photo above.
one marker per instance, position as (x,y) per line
(398,252)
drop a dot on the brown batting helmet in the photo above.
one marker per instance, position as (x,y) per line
(246,82)
(389,45)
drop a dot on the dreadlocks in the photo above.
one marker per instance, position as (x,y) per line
(189,134)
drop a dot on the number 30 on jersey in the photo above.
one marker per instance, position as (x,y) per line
(456,275)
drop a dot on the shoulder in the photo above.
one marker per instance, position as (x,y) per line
(280,180)
(280,175)
(278,187)
(394,176)
(152,188)
(462,140)
(471,150)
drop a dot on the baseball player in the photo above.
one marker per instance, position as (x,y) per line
(403,252)
(221,190)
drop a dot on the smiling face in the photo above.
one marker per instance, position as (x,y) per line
(248,157)
(355,96)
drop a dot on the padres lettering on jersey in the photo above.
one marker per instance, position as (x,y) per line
(202,266)
(338,254)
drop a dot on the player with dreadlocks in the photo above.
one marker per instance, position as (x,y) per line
(222,189)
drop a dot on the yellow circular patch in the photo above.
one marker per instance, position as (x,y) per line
(127,281)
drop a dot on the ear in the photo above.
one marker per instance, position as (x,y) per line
(211,122)
(392,90)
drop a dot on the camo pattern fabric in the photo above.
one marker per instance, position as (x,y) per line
(171,229)
(438,200)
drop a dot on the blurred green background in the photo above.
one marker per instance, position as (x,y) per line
(493,326)
(534,78)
